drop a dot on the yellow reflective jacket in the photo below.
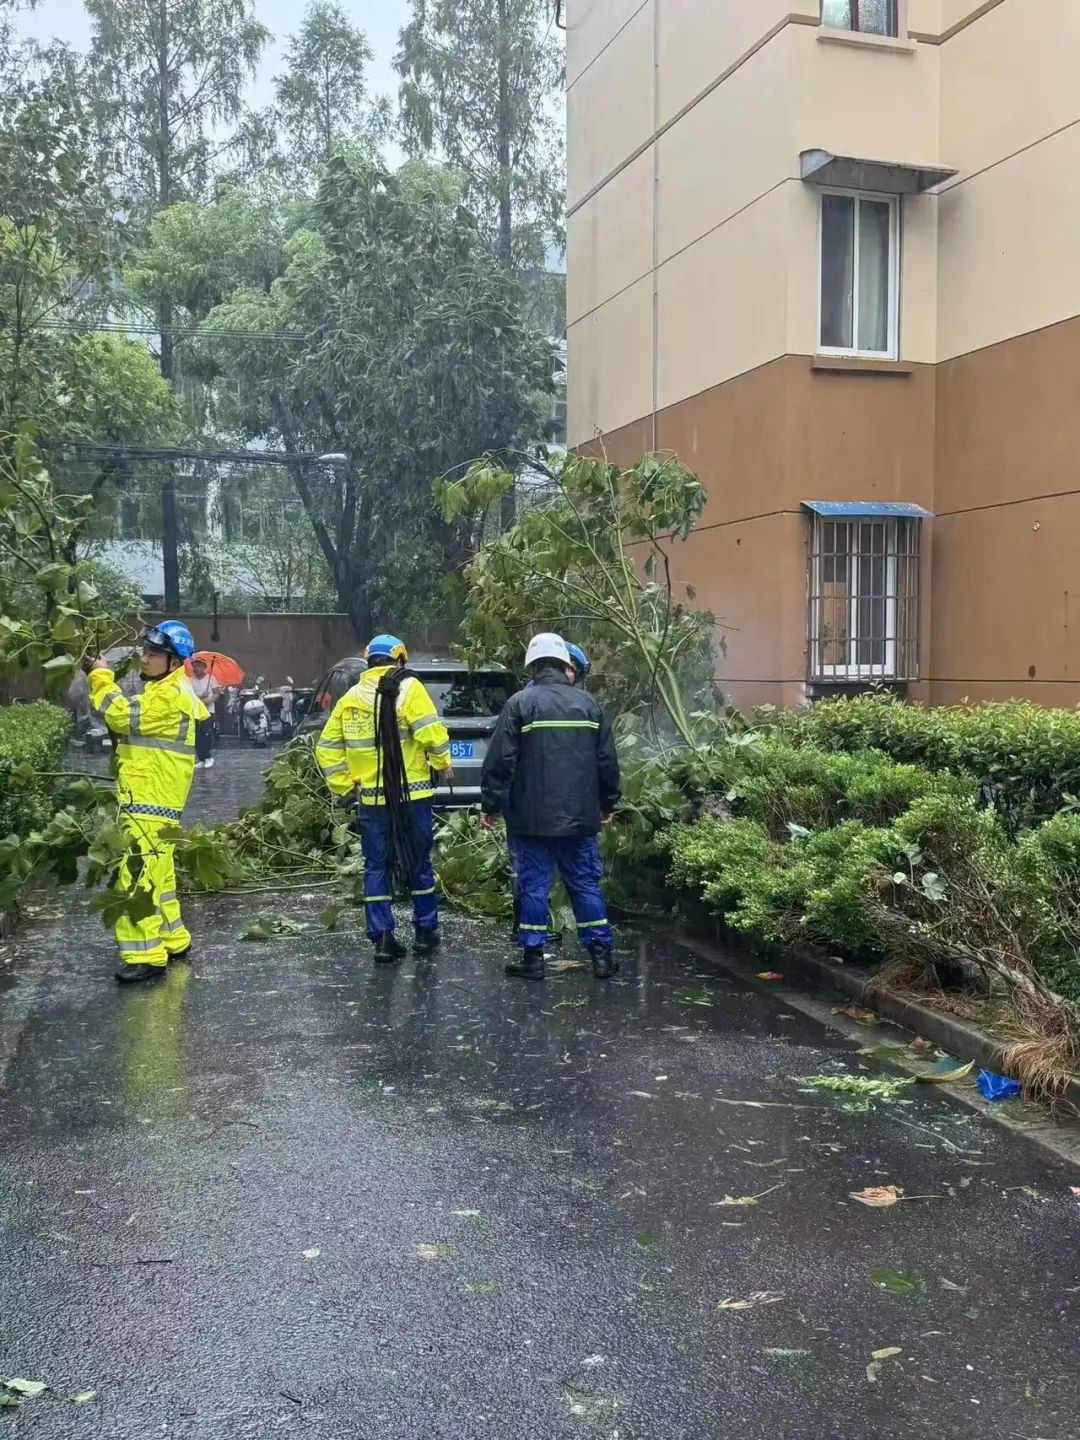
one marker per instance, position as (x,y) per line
(346,750)
(155,741)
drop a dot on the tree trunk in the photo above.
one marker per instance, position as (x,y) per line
(504,118)
(170,534)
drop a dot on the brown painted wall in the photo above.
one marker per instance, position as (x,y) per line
(303,646)
(988,441)
(763,444)
(1006,613)
(274,646)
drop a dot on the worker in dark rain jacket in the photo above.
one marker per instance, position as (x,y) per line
(579,669)
(554,752)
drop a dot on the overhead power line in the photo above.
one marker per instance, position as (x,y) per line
(166,453)
(177,332)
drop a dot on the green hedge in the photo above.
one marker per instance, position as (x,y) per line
(33,736)
(1025,757)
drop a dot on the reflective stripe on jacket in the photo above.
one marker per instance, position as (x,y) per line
(554,754)
(155,741)
(346,750)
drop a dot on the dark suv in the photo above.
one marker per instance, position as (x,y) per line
(468,703)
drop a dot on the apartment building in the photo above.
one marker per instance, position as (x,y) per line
(827,251)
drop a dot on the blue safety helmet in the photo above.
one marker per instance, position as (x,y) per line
(173,637)
(386,647)
(580,659)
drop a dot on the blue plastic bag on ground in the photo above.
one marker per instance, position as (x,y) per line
(996,1087)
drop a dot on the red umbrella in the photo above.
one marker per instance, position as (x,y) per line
(224,670)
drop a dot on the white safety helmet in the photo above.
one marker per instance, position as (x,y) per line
(547,647)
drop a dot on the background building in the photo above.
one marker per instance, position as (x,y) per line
(826,251)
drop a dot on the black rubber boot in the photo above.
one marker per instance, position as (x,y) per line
(604,964)
(530,966)
(427,942)
(388,949)
(181,954)
(134,974)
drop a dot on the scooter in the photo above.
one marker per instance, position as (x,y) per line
(279,709)
(254,719)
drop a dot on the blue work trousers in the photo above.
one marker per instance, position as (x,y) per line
(374,840)
(577,860)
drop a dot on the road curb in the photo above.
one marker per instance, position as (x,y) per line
(959,1037)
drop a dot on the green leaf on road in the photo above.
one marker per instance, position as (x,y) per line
(646,1240)
(700,996)
(438,1251)
(29,1388)
(893,1281)
(857,1085)
(83,1397)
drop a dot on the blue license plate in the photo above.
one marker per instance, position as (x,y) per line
(462,750)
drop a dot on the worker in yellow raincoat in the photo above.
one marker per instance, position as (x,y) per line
(379,746)
(155,763)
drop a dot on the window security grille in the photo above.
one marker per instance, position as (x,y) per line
(864,599)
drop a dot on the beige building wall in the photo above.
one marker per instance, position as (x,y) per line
(693,308)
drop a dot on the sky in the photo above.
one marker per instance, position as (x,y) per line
(381,20)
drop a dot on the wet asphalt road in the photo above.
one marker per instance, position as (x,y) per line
(285,1193)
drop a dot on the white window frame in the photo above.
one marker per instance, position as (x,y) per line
(892,351)
(901,25)
(850,670)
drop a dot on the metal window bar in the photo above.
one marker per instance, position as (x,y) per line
(864,599)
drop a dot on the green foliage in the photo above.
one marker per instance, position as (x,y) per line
(162,78)
(786,788)
(51,615)
(117,595)
(473,866)
(322,95)
(33,739)
(1026,757)
(592,560)
(410,357)
(481,87)
(58,239)
(196,255)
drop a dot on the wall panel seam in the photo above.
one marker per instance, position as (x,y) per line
(958,28)
(662,130)
(947,188)
(1005,340)
(1007,504)
(606,46)
(705,234)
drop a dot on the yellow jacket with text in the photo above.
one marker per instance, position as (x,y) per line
(346,751)
(155,741)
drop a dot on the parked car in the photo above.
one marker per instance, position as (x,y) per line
(468,702)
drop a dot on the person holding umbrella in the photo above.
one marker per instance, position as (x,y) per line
(209,673)
(207,690)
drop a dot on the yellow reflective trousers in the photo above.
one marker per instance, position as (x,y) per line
(155,765)
(151,940)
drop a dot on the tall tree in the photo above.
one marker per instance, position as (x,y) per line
(322,94)
(481,85)
(392,342)
(166,73)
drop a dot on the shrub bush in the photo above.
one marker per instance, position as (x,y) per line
(783,786)
(1025,757)
(32,738)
